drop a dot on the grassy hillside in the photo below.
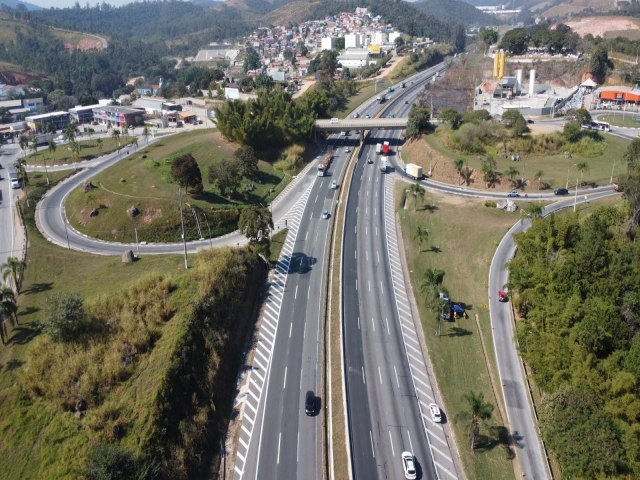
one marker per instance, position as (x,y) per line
(454,11)
(8,32)
(155,363)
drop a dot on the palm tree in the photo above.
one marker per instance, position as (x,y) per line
(21,170)
(511,173)
(417,191)
(458,163)
(13,268)
(70,132)
(539,175)
(52,149)
(145,134)
(134,142)
(33,144)
(480,410)
(8,302)
(23,141)
(115,134)
(100,144)
(75,153)
(582,167)
(422,235)
(4,314)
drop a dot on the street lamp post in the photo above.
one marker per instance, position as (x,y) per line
(575,197)
(612,169)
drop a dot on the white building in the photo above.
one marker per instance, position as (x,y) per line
(379,38)
(393,36)
(328,43)
(353,40)
(355,58)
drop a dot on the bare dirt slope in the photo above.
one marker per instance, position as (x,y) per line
(601,26)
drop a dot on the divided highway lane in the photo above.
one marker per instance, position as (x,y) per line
(383,411)
(8,155)
(281,441)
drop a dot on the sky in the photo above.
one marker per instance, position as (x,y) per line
(71,3)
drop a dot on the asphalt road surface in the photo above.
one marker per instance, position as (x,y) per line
(8,155)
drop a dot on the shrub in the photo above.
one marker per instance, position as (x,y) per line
(110,462)
(65,317)
(490,204)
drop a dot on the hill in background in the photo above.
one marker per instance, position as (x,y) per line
(456,11)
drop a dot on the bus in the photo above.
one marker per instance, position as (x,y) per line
(598,125)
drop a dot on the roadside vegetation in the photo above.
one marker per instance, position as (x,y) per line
(140,193)
(474,150)
(122,369)
(436,230)
(64,153)
(576,285)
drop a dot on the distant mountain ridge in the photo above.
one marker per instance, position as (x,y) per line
(17,3)
(456,11)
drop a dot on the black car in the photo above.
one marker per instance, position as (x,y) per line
(310,403)
(561,191)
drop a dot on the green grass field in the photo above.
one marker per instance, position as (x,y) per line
(88,149)
(465,233)
(430,152)
(622,119)
(143,180)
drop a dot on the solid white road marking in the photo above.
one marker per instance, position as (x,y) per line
(363,379)
(378,255)
(278,459)
(298,448)
(410,442)
(295,295)
(380,374)
(393,452)
(290,328)
(397,381)
(372,450)
(373,324)
(284,383)
(358,323)
(387,322)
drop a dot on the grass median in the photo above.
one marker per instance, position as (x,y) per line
(462,236)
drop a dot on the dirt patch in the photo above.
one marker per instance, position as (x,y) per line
(11,77)
(599,26)
(151,214)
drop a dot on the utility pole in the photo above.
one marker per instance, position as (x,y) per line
(184,237)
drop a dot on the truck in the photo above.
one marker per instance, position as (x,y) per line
(381,98)
(390,89)
(404,85)
(413,170)
(378,148)
(383,165)
(385,148)
(323,166)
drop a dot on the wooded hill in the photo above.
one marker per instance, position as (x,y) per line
(577,291)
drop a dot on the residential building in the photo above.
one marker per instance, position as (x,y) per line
(353,40)
(328,43)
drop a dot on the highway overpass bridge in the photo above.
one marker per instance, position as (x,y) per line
(334,125)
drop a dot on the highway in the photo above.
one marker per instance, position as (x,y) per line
(388,388)
(287,443)
(277,439)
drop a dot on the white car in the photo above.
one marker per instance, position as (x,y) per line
(334,185)
(325,214)
(346,150)
(409,465)
(436,414)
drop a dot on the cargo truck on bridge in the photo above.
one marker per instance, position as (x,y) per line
(323,166)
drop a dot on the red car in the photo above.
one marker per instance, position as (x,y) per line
(502,296)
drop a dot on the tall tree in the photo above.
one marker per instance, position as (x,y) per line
(422,235)
(186,173)
(9,302)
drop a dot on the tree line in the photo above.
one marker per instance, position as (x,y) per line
(576,284)
(556,39)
